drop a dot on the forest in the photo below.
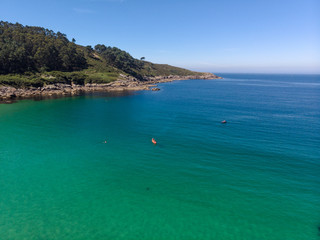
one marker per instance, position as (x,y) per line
(29,49)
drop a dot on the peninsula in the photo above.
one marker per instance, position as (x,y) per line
(35,61)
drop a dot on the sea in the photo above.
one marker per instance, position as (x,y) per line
(84,167)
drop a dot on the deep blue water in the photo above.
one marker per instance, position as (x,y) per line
(256,177)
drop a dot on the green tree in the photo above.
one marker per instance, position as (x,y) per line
(25,48)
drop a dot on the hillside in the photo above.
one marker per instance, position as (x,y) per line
(35,57)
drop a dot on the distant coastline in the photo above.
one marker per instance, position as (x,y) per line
(9,94)
(47,64)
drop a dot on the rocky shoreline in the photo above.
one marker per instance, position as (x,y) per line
(9,94)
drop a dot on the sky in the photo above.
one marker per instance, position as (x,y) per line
(248,36)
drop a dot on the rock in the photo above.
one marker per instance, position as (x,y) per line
(124,83)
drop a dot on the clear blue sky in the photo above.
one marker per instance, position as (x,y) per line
(277,36)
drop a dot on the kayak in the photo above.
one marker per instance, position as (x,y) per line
(153,141)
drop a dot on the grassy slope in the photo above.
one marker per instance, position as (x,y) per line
(151,69)
(99,71)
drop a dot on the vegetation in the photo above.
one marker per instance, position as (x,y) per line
(35,56)
(138,68)
(120,59)
(36,49)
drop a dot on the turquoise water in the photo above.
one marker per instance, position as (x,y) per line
(256,177)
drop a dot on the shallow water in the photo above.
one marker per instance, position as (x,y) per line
(256,177)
